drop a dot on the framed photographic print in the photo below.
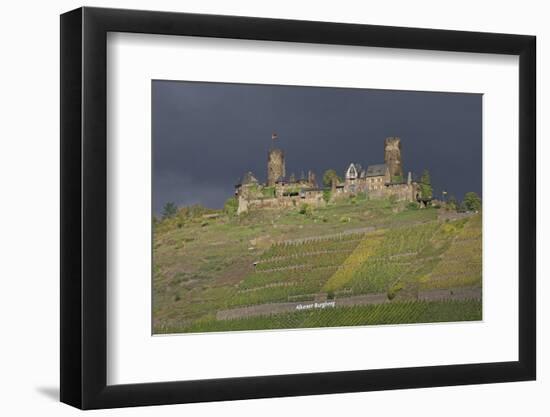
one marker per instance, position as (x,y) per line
(257,208)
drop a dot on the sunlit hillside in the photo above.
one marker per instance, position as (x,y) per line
(354,262)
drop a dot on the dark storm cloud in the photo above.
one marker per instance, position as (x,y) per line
(207,135)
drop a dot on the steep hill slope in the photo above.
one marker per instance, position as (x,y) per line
(257,268)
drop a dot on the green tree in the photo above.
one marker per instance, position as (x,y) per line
(426,190)
(267,192)
(452,203)
(231,205)
(472,202)
(170,210)
(306,210)
(328,176)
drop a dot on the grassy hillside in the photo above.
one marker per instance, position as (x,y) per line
(206,261)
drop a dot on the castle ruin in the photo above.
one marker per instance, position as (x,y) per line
(275,166)
(381,180)
(392,157)
(376,181)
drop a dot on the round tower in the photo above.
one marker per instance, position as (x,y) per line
(275,165)
(392,156)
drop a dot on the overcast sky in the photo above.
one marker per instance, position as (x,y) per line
(207,135)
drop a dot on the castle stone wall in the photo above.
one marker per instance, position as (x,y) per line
(314,200)
(403,192)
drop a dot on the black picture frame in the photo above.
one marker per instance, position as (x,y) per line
(84,207)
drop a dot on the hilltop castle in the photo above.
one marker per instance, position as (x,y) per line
(376,181)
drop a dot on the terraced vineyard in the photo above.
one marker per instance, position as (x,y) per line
(460,265)
(395,313)
(210,263)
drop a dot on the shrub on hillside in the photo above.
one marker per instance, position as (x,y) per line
(393,290)
(230,206)
(452,204)
(169,210)
(306,210)
(361,196)
(472,202)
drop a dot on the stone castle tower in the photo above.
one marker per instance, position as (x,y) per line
(392,156)
(275,165)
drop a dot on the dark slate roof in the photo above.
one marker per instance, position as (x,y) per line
(376,170)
